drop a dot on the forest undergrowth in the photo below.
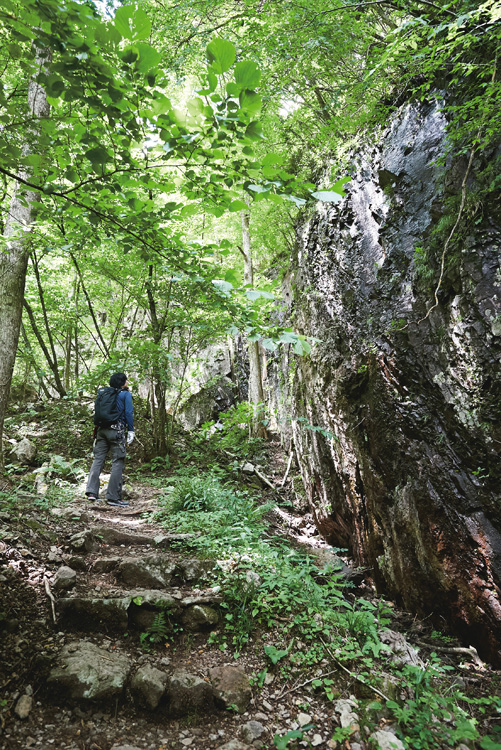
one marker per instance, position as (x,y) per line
(321,631)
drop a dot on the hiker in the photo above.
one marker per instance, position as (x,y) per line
(112,417)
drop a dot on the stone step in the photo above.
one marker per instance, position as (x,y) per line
(84,672)
(156,570)
(137,610)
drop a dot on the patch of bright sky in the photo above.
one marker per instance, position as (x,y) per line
(287,107)
(107,8)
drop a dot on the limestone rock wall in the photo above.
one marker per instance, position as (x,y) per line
(410,482)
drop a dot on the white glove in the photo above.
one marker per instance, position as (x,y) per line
(130,437)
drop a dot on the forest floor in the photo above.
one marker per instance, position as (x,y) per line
(305,677)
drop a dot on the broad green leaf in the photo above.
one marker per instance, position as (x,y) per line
(250,102)
(247,74)
(327,196)
(338,186)
(274,654)
(258,188)
(196,107)
(254,294)
(302,347)
(232,89)
(148,57)
(221,55)
(161,104)
(287,337)
(269,344)
(122,21)
(253,131)
(294,199)
(231,276)
(54,86)
(212,80)
(225,287)
(272,159)
(237,205)
(132,23)
(190,210)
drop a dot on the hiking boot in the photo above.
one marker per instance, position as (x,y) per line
(118,503)
(92,499)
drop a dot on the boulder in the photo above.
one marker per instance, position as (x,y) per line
(346,710)
(83,542)
(148,686)
(199,617)
(154,571)
(23,707)
(65,579)
(189,694)
(23,452)
(401,652)
(207,403)
(231,687)
(252,731)
(85,672)
(383,739)
(192,569)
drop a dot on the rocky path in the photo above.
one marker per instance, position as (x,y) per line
(118,657)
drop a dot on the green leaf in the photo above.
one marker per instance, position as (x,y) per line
(54,86)
(338,186)
(294,199)
(274,654)
(221,55)
(254,294)
(269,344)
(161,104)
(225,287)
(287,337)
(132,23)
(327,196)
(231,276)
(247,74)
(237,205)
(233,90)
(258,188)
(271,160)
(148,57)
(488,744)
(250,102)
(302,347)
(253,131)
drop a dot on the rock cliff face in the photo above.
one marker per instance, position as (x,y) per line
(410,481)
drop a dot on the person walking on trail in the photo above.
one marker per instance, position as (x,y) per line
(113,417)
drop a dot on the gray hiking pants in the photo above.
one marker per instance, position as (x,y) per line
(114,440)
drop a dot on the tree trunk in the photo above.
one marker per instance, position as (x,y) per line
(52,364)
(256,392)
(14,255)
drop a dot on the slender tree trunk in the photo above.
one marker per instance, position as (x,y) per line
(52,364)
(30,354)
(14,255)
(89,304)
(256,392)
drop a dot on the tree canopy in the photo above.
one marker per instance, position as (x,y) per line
(165,120)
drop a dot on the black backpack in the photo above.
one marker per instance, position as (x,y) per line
(106,411)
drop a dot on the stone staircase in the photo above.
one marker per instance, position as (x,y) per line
(120,599)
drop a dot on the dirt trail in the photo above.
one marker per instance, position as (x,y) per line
(128,597)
